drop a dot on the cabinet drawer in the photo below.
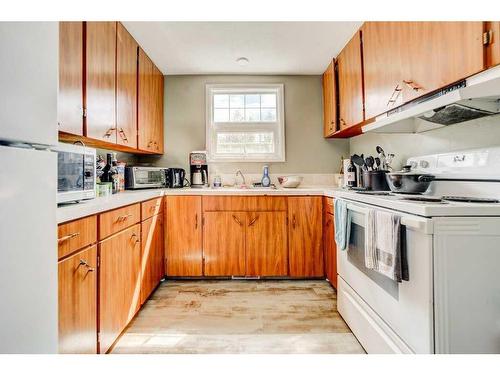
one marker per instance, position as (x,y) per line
(328,205)
(239,203)
(113,221)
(76,235)
(151,207)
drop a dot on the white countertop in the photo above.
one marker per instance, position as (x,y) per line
(74,211)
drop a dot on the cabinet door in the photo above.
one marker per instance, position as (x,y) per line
(157,110)
(224,243)
(305,236)
(126,88)
(382,66)
(350,76)
(183,250)
(70,96)
(266,244)
(493,49)
(78,302)
(329,101)
(330,249)
(100,81)
(145,118)
(119,283)
(436,54)
(152,255)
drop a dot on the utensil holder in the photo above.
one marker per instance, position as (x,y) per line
(375,180)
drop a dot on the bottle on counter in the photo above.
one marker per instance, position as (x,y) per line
(110,174)
(351,175)
(266,180)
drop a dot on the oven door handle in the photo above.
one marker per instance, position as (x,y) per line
(421,225)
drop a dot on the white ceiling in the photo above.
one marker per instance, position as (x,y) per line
(213,47)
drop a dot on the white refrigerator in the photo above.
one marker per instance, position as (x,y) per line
(28,187)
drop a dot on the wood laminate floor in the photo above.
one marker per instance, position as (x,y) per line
(239,317)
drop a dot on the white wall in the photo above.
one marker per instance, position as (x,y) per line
(478,133)
(306,149)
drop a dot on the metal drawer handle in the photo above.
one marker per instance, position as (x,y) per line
(253,221)
(84,263)
(395,95)
(237,220)
(123,135)
(294,222)
(412,85)
(69,236)
(124,217)
(109,132)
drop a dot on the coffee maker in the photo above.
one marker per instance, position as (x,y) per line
(199,169)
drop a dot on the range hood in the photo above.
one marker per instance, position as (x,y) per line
(472,98)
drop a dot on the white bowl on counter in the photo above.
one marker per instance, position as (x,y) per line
(290,181)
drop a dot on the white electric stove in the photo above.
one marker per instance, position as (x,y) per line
(451,304)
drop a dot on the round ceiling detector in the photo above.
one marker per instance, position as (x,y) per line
(242,61)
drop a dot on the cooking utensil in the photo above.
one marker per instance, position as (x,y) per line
(358,160)
(388,162)
(408,182)
(369,162)
(380,151)
(377,163)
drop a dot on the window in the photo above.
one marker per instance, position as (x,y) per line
(245,123)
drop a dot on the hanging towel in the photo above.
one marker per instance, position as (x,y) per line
(384,250)
(342,220)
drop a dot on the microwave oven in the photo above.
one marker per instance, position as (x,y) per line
(144,177)
(76,173)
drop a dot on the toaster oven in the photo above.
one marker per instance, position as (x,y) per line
(144,177)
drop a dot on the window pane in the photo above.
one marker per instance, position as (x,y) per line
(221,115)
(252,114)
(268,100)
(252,101)
(259,143)
(268,114)
(237,115)
(231,143)
(221,101)
(237,101)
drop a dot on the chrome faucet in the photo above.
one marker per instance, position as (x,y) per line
(240,173)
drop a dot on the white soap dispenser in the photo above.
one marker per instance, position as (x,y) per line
(266,180)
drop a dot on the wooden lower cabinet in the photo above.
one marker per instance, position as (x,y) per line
(183,236)
(330,248)
(78,302)
(224,243)
(119,283)
(152,255)
(305,243)
(266,244)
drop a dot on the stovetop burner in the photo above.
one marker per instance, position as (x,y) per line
(470,199)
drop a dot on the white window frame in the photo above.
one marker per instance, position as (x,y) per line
(212,129)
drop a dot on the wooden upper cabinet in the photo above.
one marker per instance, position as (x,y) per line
(119,283)
(78,302)
(305,243)
(157,110)
(436,54)
(70,96)
(145,119)
(152,255)
(493,48)
(126,88)
(329,101)
(382,66)
(350,77)
(183,236)
(266,244)
(100,81)
(224,243)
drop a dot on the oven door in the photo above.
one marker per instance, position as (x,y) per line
(149,177)
(401,312)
